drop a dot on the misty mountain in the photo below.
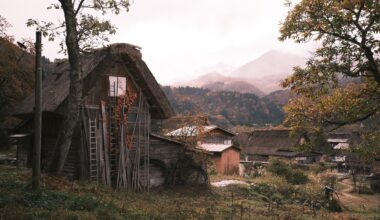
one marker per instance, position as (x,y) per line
(268,70)
(260,76)
(215,81)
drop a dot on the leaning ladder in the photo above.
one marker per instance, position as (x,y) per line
(93,151)
(113,137)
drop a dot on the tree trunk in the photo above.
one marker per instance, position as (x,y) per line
(74,98)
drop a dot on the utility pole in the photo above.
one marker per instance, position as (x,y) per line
(37,117)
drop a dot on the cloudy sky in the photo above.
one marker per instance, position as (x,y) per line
(180,39)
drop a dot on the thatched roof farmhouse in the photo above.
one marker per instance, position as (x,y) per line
(112,142)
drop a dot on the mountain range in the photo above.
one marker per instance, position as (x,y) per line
(260,76)
(215,81)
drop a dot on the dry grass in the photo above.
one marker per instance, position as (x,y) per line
(62,199)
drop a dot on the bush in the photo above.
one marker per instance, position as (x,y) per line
(296,177)
(293,176)
(264,189)
(278,167)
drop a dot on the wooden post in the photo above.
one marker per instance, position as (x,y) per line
(37,117)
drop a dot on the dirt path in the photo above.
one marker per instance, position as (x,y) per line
(354,200)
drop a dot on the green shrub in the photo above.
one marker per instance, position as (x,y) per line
(278,167)
(296,177)
(264,189)
(293,176)
(299,166)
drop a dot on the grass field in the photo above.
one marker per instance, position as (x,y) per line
(268,197)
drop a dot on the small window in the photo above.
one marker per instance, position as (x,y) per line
(118,86)
(227,142)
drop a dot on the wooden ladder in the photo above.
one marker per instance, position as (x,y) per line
(93,150)
(113,137)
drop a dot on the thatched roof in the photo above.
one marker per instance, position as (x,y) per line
(55,88)
(275,142)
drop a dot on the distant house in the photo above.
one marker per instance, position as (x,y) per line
(263,144)
(112,142)
(340,143)
(215,141)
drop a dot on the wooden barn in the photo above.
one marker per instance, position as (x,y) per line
(217,142)
(263,144)
(112,143)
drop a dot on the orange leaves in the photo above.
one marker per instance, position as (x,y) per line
(344,105)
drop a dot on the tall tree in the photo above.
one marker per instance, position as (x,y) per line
(83,31)
(340,84)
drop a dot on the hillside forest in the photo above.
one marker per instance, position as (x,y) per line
(225,108)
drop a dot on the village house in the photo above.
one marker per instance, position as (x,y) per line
(263,144)
(215,141)
(113,143)
(340,144)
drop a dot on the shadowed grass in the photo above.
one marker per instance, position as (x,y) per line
(62,199)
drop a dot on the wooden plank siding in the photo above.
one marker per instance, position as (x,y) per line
(123,143)
(166,151)
(227,162)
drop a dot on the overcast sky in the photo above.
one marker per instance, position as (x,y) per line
(180,39)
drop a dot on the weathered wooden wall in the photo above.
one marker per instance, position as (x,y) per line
(217,137)
(136,130)
(227,162)
(166,151)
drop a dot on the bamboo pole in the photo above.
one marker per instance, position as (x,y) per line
(105,144)
(148,152)
(145,147)
(36,175)
(100,152)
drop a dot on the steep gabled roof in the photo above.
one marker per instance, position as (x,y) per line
(55,88)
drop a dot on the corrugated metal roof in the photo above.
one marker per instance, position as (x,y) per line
(214,147)
(342,146)
(337,140)
(190,131)
(18,135)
